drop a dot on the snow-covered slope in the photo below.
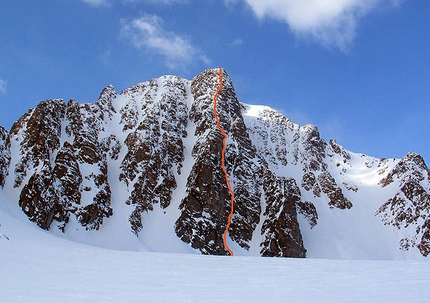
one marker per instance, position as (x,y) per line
(39,267)
(141,171)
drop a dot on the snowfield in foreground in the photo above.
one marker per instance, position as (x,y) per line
(39,267)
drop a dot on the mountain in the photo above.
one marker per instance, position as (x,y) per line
(142,170)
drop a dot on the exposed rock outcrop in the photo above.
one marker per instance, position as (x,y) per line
(5,156)
(154,144)
(57,141)
(410,206)
(207,197)
(281,231)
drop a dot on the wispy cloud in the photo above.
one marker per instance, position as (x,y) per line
(147,33)
(2,87)
(106,57)
(236,42)
(97,2)
(330,22)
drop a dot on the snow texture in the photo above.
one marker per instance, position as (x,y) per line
(39,267)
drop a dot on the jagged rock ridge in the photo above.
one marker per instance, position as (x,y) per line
(157,145)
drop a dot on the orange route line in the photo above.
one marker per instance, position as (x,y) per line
(224,140)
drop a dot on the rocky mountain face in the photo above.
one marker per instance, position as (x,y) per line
(409,207)
(156,146)
(4,155)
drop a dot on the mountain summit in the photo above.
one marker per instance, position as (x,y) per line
(141,170)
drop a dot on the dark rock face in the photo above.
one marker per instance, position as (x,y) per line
(410,206)
(41,130)
(207,197)
(336,148)
(52,194)
(410,167)
(241,165)
(50,169)
(281,231)
(314,148)
(155,146)
(86,127)
(5,156)
(308,211)
(334,193)
(71,162)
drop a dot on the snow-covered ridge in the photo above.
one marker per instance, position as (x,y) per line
(140,170)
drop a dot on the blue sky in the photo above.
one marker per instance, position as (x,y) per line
(357,69)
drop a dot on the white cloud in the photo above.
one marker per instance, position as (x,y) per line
(147,33)
(330,22)
(2,87)
(236,42)
(97,2)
